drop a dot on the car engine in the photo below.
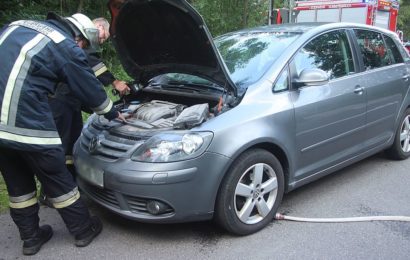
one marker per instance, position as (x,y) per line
(162,115)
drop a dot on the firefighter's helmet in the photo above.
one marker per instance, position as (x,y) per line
(86,27)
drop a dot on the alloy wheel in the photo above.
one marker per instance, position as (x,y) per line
(405,135)
(255,193)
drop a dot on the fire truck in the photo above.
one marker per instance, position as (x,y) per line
(380,13)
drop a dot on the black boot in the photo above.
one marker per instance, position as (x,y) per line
(32,245)
(85,238)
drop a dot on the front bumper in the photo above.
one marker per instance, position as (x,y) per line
(125,187)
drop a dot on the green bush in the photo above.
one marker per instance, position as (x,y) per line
(4,200)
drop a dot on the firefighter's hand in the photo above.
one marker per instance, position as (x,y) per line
(121,87)
(122,117)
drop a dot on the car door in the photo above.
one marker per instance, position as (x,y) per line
(330,118)
(386,83)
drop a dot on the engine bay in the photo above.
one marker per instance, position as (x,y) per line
(164,115)
(157,108)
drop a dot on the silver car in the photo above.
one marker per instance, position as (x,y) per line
(222,128)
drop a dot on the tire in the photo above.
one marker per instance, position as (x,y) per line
(245,205)
(400,149)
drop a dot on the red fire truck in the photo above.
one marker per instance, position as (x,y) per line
(380,13)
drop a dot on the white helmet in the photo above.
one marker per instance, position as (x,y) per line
(86,27)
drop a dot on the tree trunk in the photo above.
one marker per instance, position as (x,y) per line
(245,13)
(80,6)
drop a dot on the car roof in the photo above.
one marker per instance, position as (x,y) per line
(313,27)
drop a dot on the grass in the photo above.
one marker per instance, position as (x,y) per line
(4,196)
(4,199)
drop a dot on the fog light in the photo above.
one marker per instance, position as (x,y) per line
(155,207)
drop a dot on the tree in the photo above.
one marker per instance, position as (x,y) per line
(223,16)
(404,18)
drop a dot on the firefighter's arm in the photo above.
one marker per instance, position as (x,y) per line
(103,74)
(86,87)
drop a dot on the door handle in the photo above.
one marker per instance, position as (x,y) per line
(406,77)
(358,90)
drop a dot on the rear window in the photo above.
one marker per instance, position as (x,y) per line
(393,51)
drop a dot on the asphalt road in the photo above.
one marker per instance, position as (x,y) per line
(375,186)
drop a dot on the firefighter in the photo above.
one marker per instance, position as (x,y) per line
(36,55)
(67,108)
(99,68)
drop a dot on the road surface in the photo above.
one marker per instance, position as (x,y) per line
(375,186)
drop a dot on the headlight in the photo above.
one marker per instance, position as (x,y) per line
(173,147)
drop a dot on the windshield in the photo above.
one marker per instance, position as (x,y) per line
(249,55)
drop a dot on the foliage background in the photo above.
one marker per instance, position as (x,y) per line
(220,15)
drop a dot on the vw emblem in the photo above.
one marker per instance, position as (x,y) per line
(94,144)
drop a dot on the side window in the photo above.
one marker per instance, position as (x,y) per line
(404,52)
(283,81)
(393,51)
(373,49)
(330,52)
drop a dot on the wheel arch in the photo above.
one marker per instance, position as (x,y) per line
(272,148)
(225,207)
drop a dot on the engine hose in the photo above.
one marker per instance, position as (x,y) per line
(341,220)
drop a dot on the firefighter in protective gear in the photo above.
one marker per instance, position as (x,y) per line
(99,68)
(36,55)
(65,106)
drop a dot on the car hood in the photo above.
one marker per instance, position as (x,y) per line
(165,36)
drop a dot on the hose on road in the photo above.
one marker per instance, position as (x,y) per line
(342,220)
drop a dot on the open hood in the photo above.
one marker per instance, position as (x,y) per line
(154,37)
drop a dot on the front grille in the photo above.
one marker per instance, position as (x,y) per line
(128,137)
(110,146)
(136,204)
(103,195)
(108,197)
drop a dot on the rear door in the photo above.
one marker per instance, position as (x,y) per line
(386,83)
(330,118)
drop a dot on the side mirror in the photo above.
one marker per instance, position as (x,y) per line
(312,77)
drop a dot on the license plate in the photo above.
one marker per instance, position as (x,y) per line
(89,173)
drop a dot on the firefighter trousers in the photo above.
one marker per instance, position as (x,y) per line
(19,168)
(69,123)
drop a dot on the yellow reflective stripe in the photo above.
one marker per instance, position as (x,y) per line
(100,71)
(106,109)
(23,198)
(66,203)
(13,76)
(30,140)
(23,204)
(69,160)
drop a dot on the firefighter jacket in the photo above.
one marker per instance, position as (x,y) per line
(99,68)
(102,73)
(35,57)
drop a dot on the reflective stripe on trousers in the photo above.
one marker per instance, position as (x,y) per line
(66,199)
(23,201)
